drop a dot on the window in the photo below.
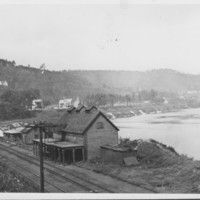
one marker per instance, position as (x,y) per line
(36,137)
(99,125)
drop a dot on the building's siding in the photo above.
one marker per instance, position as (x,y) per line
(57,136)
(74,138)
(30,135)
(98,137)
(108,155)
(13,137)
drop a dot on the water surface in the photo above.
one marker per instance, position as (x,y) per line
(180,130)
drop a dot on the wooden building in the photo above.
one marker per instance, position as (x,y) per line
(84,131)
(90,128)
(13,135)
(116,154)
(30,133)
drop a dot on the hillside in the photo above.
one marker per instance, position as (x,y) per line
(159,169)
(54,85)
(162,79)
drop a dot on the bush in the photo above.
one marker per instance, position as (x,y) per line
(9,112)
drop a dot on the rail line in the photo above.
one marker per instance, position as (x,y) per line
(71,177)
(34,178)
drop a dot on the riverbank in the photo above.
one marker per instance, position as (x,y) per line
(142,108)
(161,170)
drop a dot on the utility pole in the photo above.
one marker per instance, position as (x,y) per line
(41,126)
(41,159)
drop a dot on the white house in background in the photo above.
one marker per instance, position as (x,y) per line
(37,104)
(165,100)
(77,102)
(1,133)
(65,103)
(4,83)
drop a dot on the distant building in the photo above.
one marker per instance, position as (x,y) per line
(65,103)
(37,104)
(77,102)
(22,134)
(29,134)
(4,83)
(13,135)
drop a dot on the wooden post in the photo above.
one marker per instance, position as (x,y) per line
(36,149)
(54,154)
(63,155)
(59,156)
(51,153)
(33,148)
(83,153)
(73,155)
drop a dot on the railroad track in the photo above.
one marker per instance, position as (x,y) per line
(34,178)
(63,175)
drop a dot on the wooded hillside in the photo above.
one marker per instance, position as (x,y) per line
(54,85)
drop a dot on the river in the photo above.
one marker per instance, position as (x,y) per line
(180,130)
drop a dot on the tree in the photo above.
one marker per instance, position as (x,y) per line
(153,94)
(22,98)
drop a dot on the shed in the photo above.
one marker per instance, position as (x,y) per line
(116,154)
(30,133)
(14,135)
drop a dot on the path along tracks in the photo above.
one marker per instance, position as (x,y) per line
(56,179)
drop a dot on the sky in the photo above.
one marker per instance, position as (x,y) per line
(120,36)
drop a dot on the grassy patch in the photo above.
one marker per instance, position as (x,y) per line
(161,169)
(13,182)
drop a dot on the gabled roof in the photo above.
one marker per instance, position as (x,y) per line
(26,129)
(14,131)
(71,109)
(90,108)
(80,122)
(78,109)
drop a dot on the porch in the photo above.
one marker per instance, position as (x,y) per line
(61,152)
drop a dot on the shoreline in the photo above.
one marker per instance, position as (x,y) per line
(172,128)
(141,109)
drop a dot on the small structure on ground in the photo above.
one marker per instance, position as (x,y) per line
(13,135)
(29,134)
(131,161)
(116,154)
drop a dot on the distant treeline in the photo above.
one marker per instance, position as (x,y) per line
(56,85)
(153,96)
(99,87)
(17,104)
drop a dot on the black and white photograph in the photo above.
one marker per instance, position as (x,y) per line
(100,98)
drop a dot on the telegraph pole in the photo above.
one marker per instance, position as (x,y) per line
(41,126)
(41,159)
